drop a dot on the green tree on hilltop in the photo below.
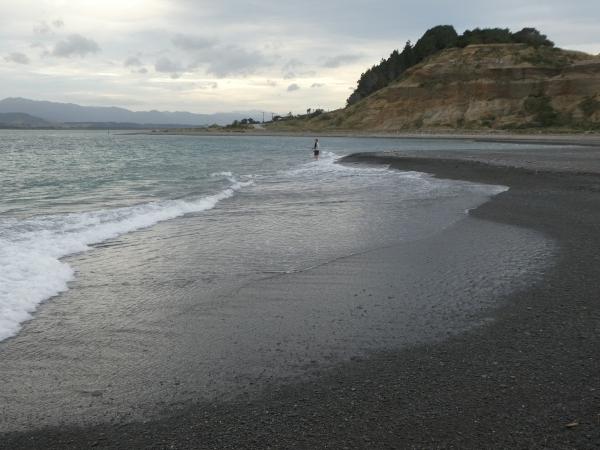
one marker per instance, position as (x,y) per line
(531,36)
(433,41)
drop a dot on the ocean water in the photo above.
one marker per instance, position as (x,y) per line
(138,272)
(64,192)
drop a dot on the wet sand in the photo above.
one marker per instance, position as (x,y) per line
(528,378)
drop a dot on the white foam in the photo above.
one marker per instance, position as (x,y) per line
(30,269)
(221,174)
(410,185)
(327,163)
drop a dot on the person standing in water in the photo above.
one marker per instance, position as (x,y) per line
(316,149)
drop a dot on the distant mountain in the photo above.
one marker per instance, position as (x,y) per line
(21,120)
(70,112)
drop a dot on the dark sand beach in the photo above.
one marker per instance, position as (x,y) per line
(528,378)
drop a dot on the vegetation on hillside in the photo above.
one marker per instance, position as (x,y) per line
(434,40)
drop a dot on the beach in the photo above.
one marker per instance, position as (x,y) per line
(518,371)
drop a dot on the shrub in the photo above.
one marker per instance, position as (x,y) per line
(589,106)
(542,110)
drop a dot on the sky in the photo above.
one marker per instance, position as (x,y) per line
(238,55)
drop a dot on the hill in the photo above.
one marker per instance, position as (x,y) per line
(70,112)
(482,86)
(20,120)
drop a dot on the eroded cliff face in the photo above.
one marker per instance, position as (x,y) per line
(483,86)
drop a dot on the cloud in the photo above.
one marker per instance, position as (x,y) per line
(186,42)
(75,45)
(317,85)
(233,60)
(292,64)
(132,61)
(42,29)
(165,65)
(293,87)
(218,59)
(16,57)
(305,74)
(141,70)
(207,85)
(340,60)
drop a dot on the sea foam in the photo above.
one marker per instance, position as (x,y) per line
(30,250)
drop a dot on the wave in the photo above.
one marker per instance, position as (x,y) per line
(30,250)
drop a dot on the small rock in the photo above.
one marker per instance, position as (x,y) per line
(572,424)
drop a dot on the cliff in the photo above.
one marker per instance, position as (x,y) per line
(493,86)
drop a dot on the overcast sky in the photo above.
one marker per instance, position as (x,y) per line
(209,56)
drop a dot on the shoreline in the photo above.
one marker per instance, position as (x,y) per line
(569,138)
(518,381)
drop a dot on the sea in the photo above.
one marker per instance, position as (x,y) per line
(135,260)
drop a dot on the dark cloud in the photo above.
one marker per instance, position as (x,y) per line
(340,60)
(293,87)
(58,23)
(316,85)
(75,45)
(132,61)
(141,70)
(17,57)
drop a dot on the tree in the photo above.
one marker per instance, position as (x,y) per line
(485,36)
(434,40)
(408,56)
(531,36)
